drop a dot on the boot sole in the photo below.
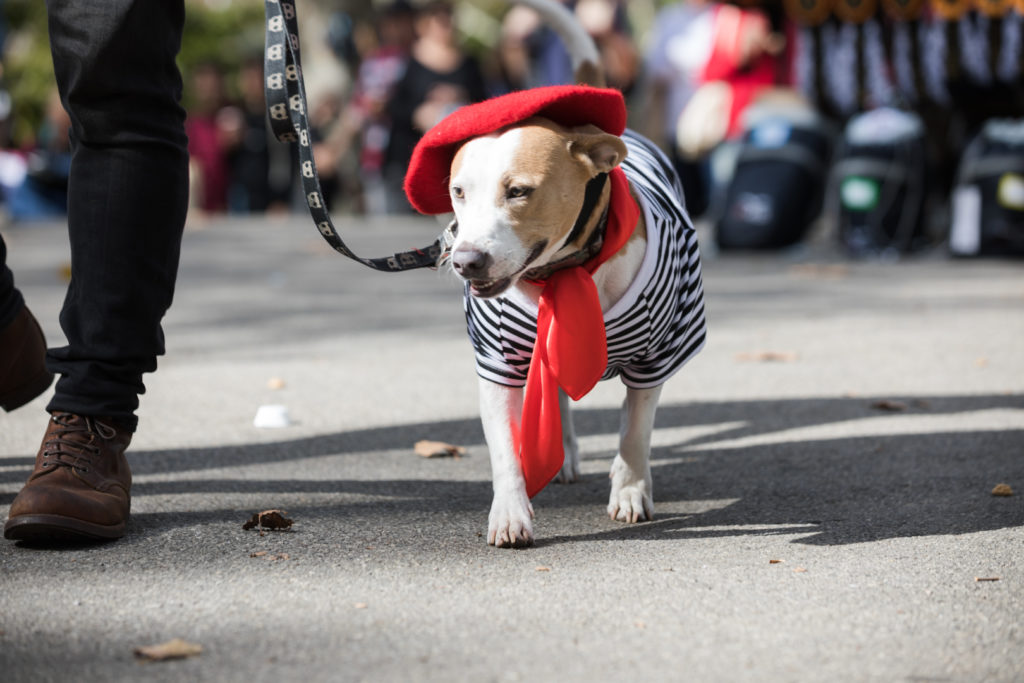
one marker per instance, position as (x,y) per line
(26,392)
(59,529)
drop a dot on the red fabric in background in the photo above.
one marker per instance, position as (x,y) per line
(724,62)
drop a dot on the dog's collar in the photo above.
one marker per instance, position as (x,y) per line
(591,249)
(591,196)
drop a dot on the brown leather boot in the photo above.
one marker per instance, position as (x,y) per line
(79,490)
(23,374)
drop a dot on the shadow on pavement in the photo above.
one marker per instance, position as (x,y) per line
(829,483)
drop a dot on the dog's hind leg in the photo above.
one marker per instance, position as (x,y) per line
(631,498)
(510,522)
(570,471)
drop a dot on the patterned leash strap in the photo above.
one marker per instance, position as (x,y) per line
(286,106)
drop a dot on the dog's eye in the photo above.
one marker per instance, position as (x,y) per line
(518,192)
(457,192)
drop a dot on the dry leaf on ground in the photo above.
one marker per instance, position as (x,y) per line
(890,406)
(275,383)
(268,519)
(1002,490)
(172,649)
(438,449)
(766,357)
(821,271)
(271,557)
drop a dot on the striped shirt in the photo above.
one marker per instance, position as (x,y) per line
(653,330)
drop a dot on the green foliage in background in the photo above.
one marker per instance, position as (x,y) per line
(225,33)
(225,36)
(27,67)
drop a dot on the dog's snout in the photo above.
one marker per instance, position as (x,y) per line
(470,262)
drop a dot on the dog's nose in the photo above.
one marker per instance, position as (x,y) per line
(471,263)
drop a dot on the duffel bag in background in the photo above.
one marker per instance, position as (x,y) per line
(880,182)
(778,184)
(988,199)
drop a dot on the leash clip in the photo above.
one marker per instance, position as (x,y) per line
(447,239)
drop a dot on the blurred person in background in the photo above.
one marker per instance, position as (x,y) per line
(606,22)
(209,128)
(513,66)
(707,62)
(550,64)
(438,79)
(332,127)
(364,126)
(260,172)
(678,50)
(35,181)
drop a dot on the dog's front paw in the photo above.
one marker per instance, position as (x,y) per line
(630,500)
(510,524)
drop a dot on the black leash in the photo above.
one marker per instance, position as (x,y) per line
(286,106)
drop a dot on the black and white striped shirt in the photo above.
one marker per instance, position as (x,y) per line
(655,328)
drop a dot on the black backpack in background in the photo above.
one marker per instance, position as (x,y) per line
(778,185)
(880,183)
(988,199)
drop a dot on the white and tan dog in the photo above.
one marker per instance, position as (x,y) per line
(503,233)
(530,198)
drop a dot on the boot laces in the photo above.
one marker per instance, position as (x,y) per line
(76,442)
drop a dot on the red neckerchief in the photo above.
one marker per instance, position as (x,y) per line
(571,350)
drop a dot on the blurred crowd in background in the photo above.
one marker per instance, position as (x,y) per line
(901,120)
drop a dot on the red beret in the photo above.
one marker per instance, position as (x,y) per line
(426,180)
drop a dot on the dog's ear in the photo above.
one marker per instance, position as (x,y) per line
(600,151)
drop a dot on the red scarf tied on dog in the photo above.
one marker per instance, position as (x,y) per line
(571,350)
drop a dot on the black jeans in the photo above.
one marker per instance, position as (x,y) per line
(127,196)
(10,298)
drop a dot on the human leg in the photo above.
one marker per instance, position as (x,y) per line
(127,197)
(11,301)
(23,375)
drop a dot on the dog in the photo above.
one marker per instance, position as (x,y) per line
(579,263)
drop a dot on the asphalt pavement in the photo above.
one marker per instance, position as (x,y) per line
(823,477)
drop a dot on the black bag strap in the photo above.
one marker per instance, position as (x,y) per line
(286,107)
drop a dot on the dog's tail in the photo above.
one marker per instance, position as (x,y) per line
(586,62)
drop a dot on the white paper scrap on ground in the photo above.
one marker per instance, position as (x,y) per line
(271,417)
